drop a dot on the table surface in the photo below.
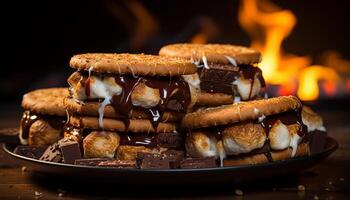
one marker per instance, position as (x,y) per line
(328,180)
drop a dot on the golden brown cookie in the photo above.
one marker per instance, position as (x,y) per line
(46,101)
(303,150)
(213,99)
(91,109)
(136,64)
(136,125)
(239,112)
(213,52)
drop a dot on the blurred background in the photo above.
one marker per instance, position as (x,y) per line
(304,43)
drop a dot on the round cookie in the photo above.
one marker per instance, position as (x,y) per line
(213,52)
(91,109)
(136,64)
(213,99)
(303,150)
(136,125)
(46,101)
(238,112)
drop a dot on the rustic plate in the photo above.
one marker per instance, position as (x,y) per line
(244,173)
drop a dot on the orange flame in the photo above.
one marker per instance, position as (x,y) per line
(268,25)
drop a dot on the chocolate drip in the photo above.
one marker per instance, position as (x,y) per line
(287,118)
(174,95)
(28,118)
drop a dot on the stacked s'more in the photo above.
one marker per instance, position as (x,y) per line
(235,122)
(122,105)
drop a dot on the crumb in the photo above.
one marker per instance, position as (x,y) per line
(10,186)
(301,187)
(327,189)
(316,197)
(330,183)
(60,194)
(239,192)
(24,169)
(37,194)
(342,179)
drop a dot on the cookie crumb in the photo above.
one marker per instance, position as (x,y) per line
(238,192)
(327,189)
(316,197)
(10,186)
(330,183)
(60,194)
(37,194)
(24,169)
(342,179)
(301,187)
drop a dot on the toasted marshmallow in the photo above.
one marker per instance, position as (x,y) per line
(279,136)
(295,139)
(200,145)
(41,133)
(243,138)
(193,80)
(104,87)
(312,120)
(244,87)
(144,96)
(100,144)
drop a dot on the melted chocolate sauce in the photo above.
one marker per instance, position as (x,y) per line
(28,118)
(174,96)
(168,140)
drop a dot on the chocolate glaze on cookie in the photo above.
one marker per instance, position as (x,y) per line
(174,92)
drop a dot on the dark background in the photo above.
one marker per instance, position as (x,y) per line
(41,36)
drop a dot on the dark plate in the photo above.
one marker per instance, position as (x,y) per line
(244,173)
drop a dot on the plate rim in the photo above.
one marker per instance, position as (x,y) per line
(332,146)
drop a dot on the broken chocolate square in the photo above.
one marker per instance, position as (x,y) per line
(118,164)
(52,154)
(70,151)
(29,151)
(174,157)
(90,161)
(195,163)
(151,161)
(170,140)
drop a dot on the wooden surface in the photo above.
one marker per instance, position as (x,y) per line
(328,180)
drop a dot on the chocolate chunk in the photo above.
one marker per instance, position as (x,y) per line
(118,164)
(170,140)
(194,163)
(151,161)
(90,161)
(218,78)
(70,151)
(29,151)
(174,157)
(317,141)
(52,154)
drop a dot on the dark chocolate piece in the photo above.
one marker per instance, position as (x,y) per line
(52,154)
(118,164)
(174,157)
(90,161)
(70,151)
(151,161)
(195,163)
(29,151)
(167,140)
(317,141)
